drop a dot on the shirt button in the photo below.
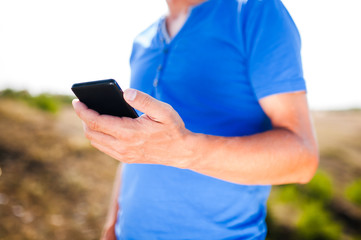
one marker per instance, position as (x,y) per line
(160,67)
(155,82)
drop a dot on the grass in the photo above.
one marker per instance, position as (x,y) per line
(353,192)
(316,223)
(46,102)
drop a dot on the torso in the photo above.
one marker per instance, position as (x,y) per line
(203,73)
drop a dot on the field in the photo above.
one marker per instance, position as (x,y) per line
(53,185)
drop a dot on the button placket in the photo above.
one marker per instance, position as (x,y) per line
(160,67)
(155,82)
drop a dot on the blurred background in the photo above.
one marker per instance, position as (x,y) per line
(53,185)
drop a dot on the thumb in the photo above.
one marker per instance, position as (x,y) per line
(153,108)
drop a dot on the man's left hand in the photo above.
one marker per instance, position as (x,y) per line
(157,137)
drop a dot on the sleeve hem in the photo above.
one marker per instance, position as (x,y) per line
(295,85)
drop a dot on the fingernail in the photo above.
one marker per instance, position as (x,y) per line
(130,94)
(74,102)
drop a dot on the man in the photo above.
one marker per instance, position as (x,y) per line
(225,116)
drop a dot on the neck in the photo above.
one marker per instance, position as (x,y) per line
(178,11)
(180,7)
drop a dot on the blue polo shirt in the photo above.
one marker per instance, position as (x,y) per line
(227,56)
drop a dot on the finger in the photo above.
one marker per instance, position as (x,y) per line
(153,108)
(88,116)
(108,144)
(99,137)
(109,151)
(101,123)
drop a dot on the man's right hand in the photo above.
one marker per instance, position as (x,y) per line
(108,233)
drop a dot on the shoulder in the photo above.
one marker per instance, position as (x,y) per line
(268,17)
(146,37)
(261,3)
(253,12)
(259,7)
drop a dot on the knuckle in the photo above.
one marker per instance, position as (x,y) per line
(122,135)
(94,123)
(169,115)
(121,150)
(146,101)
(94,144)
(88,135)
(168,107)
(129,157)
(172,115)
(125,154)
(118,135)
(168,110)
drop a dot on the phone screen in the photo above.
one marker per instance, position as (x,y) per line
(105,97)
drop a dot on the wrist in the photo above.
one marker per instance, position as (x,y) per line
(192,151)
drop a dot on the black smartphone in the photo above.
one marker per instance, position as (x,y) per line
(105,97)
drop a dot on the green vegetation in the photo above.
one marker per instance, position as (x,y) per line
(353,192)
(310,204)
(45,102)
(320,188)
(288,193)
(316,223)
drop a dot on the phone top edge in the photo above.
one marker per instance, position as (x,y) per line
(97,82)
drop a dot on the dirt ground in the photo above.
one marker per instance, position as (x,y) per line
(53,185)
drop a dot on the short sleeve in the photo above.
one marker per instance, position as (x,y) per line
(273,48)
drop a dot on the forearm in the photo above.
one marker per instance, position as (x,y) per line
(274,157)
(286,154)
(113,205)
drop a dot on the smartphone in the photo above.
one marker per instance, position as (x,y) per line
(105,97)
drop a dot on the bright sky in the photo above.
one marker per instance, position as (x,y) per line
(47,45)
